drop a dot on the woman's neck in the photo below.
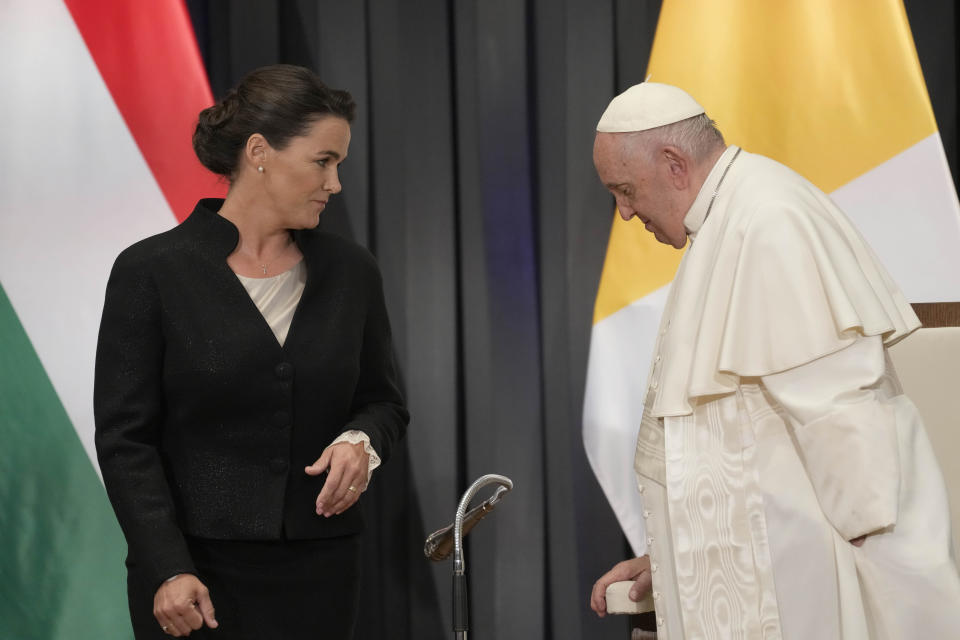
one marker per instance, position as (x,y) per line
(260,232)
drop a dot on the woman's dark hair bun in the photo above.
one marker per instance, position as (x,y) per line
(221,112)
(279,102)
(208,140)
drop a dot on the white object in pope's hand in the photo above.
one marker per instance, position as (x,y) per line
(618,599)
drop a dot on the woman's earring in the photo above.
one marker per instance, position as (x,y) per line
(260,168)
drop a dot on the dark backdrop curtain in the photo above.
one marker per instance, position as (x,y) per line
(470,177)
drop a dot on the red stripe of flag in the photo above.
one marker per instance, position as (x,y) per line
(148,57)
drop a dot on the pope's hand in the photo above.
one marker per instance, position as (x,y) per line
(637,569)
(348,465)
(182,605)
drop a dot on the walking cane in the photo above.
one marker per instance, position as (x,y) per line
(438,544)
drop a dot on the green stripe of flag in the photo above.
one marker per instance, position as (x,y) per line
(61,550)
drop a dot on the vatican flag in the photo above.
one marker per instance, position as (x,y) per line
(833,90)
(100,100)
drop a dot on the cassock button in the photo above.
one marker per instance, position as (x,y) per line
(641,488)
(656,595)
(646,513)
(284,371)
(278,465)
(658,358)
(653,567)
(653,385)
(659,622)
(649,541)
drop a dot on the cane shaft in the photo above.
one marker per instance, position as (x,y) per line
(461,613)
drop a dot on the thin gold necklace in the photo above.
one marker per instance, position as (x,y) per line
(265,265)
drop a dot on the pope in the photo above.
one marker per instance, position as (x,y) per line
(789,487)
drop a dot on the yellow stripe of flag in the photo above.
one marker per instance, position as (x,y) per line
(831,88)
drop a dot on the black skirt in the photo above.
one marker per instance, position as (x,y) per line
(283,590)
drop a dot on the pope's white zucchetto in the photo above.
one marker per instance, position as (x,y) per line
(646,106)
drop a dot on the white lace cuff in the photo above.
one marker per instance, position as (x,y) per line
(353,437)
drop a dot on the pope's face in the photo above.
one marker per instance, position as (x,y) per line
(300,178)
(642,187)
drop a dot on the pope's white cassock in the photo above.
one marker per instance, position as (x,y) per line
(775,431)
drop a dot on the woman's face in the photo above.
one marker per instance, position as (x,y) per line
(300,178)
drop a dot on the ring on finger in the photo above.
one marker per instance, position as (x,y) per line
(352,488)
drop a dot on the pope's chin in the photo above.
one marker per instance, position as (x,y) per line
(663,239)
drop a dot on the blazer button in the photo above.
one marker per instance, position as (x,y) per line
(284,371)
(278,465)
(281,419)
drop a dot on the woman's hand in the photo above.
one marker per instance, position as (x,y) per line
(637,569)
(348,465)
(182,604)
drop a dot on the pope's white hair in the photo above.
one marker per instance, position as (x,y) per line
(697,137)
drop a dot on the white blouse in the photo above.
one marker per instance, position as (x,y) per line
(277,297)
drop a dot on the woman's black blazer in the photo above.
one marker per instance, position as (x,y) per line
(204,423)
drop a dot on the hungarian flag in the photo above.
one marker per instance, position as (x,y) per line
(833,90)
(100,100)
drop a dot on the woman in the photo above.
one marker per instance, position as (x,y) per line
(245,386)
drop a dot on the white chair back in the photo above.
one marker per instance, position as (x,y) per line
(928,364)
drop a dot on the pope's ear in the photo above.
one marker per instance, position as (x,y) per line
(678,167)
